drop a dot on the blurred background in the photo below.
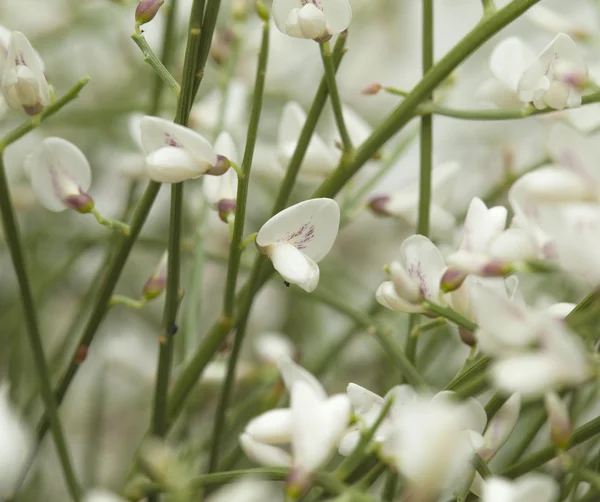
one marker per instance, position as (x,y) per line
(107,409)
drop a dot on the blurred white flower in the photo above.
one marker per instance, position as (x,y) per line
(246,490)
(556,22)
(404,204)
(16,445)
(414,278)
(298,237)
(312,19)
(319,159)
(176,153)
(555,77)
(529,488)
(312,425)
(500,427)
(101,495)
(23,81)
(270,347)
(60,175)
(221,191)
(535,352)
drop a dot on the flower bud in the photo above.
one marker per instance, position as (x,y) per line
(157,282)
(225,207)
(379,203)
(262,11)
(496,269)
(467,336)
(239,10)
(146,10)
(220,166)
(80,202)
(560,423)
(372,89)
(452,280)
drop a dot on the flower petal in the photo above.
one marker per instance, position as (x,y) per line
(264,454)
(338,14)
(509,60)
(424,263)
(294,266)
(362,399)
(173,165)
(54,159)
(224,187)
(292,373)
(311,226)
(386,295)
(272,427)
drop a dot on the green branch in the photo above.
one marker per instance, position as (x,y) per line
(155,63)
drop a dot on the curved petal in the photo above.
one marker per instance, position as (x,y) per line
(294,266)
(56,162)
(311,226)
(386,295)
(338,14)
(272,346)
(157,133)
(531,374)
(272,427)
(509,60)
(225,146)
(349,442)
(224,187)
(514,244)
(482,225)
(553,184)
(424,263)
(362,399)
(173,165)
(264,454)
(281,10)
(292,373)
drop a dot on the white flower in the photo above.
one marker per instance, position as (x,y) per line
(176,153)
(319,159)
(313,19)
(270,347)
(508,61)
(556,22)
(312,425)
(529,488)
(16,445)
(23,81)
(404,204)
(432,442)
(221,191)
(298,237)
(554,78)
(100,495)
(414,278)
(535,352)
(486,245)
(60,175)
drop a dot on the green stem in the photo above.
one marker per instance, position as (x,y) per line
(471,373)
(481,467)
(235,250)
(119,226)
(388,343)
(426,136)
(489,7)
(13,241)
(494,404)
(412,338)
(155,63)
(390,487)
(334,93)
(126,301)
(34,122)
(209,21)
(404,112)
(580,435)
(448,313)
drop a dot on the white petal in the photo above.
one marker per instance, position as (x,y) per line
(224,187)
(281,11)
(499,490)
(362,399)
(406,287)
(550,184)
(158,133)
(386,295)
(560,310)
(482,225)
(443,176)
(514,244)
(173,165)
(531,374)
(264,454)
(272,427)
(349,442)
(509,59)
(311,226)
(292,373)
(537,487)
(54,163)
(312,22)
(225,146)
(338,14)
(501,426)
(100,495)
(294,266)
(271,347)
(424,263)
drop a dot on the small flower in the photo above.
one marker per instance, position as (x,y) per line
(17,445)
(60,175)
(414,278)
(176,153)
(299,237)
(529,488)
(319,160)
(558,417)
(157,282)
(312,425)
(404,204)
(146,10)
(546,84)
(23,81)
(535,352)
(313,19)
(221,191)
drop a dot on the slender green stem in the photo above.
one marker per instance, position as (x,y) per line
(13,241)
(34,122)
(580,435)
(450,314)
(426,135)
(388,343)
(489,7)
(126,301)
(494,404)
(470,373)
(481,467)
(155,63)
(209,21)
(404,112)
(412,338)
(390,487)
(235,250)
(119,226)
(336,102)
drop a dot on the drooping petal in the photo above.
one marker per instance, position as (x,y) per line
(158,133)
(272,427)
(281,10)
(294,266)
(362,399)
(58,169)
(424,263)
(173,165)
(224,187)
(311,226)
(292,373)
(264,454)
(386,295)
(509,60)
